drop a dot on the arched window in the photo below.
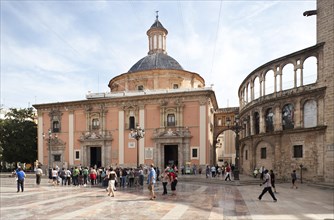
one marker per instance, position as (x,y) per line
(310,114)
(95,123)
(310,70)
(269,120)
(55,126)
(257,122)
(170,120)
(270,82)
(288,77)
(256,88)
(288,117)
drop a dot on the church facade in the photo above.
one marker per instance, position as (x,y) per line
(172,105)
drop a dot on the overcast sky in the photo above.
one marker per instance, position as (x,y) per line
(55,51)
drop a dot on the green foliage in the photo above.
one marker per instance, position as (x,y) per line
(18,136)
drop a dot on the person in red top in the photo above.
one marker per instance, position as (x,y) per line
(173,180)
(228,172)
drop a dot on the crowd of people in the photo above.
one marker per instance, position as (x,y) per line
(82,176)
(134,177)
(106,177)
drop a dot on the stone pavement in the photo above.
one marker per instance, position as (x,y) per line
(195,200)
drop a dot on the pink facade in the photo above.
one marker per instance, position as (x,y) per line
(156,94)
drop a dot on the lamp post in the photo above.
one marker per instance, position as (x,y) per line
(49,147)
(138,133)
(236,127)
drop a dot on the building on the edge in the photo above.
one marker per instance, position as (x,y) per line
(288,105)
(171,104)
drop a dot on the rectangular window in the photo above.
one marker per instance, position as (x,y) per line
(140,88)
(56,157)
(194,153)
(246,154)
(131,122)
(263,153)
(175,86)
(77,155)
(298,151)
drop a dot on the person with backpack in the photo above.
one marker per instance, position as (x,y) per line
(75,176)
(131,177)
(85,176)
(111,185)
(62,176)
(20,175)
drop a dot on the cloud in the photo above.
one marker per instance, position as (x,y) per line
(75,47)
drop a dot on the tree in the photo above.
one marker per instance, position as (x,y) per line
(18,136)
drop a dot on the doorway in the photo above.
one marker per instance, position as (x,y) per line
(171,155)
(95,156)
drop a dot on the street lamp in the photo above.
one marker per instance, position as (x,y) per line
(49,146)
(138,133)
(236,127)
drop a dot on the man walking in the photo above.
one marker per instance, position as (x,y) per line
(20,174)
(267,186)
(39,173)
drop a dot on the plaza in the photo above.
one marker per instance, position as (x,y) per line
(197,198)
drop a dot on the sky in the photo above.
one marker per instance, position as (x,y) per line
(56,51)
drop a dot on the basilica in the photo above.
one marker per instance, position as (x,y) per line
(171,108)
(159,113)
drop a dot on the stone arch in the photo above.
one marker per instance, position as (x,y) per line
(269,82)
(248,93)
(310,73)
(256,87)
(287,76)
(310,113)
(288,116)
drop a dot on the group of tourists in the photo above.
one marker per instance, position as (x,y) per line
(168,176)
(110,177)
(130,177)
(225,171)
(82,176)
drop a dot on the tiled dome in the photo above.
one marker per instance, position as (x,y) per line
(156,61)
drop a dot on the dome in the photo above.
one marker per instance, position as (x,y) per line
(156,61)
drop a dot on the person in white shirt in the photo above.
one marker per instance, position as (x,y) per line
(54,176)
(267,186)
(39,173)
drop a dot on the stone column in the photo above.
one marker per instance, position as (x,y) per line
(297,114)
(277,118)
(262,121)
(251,124)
